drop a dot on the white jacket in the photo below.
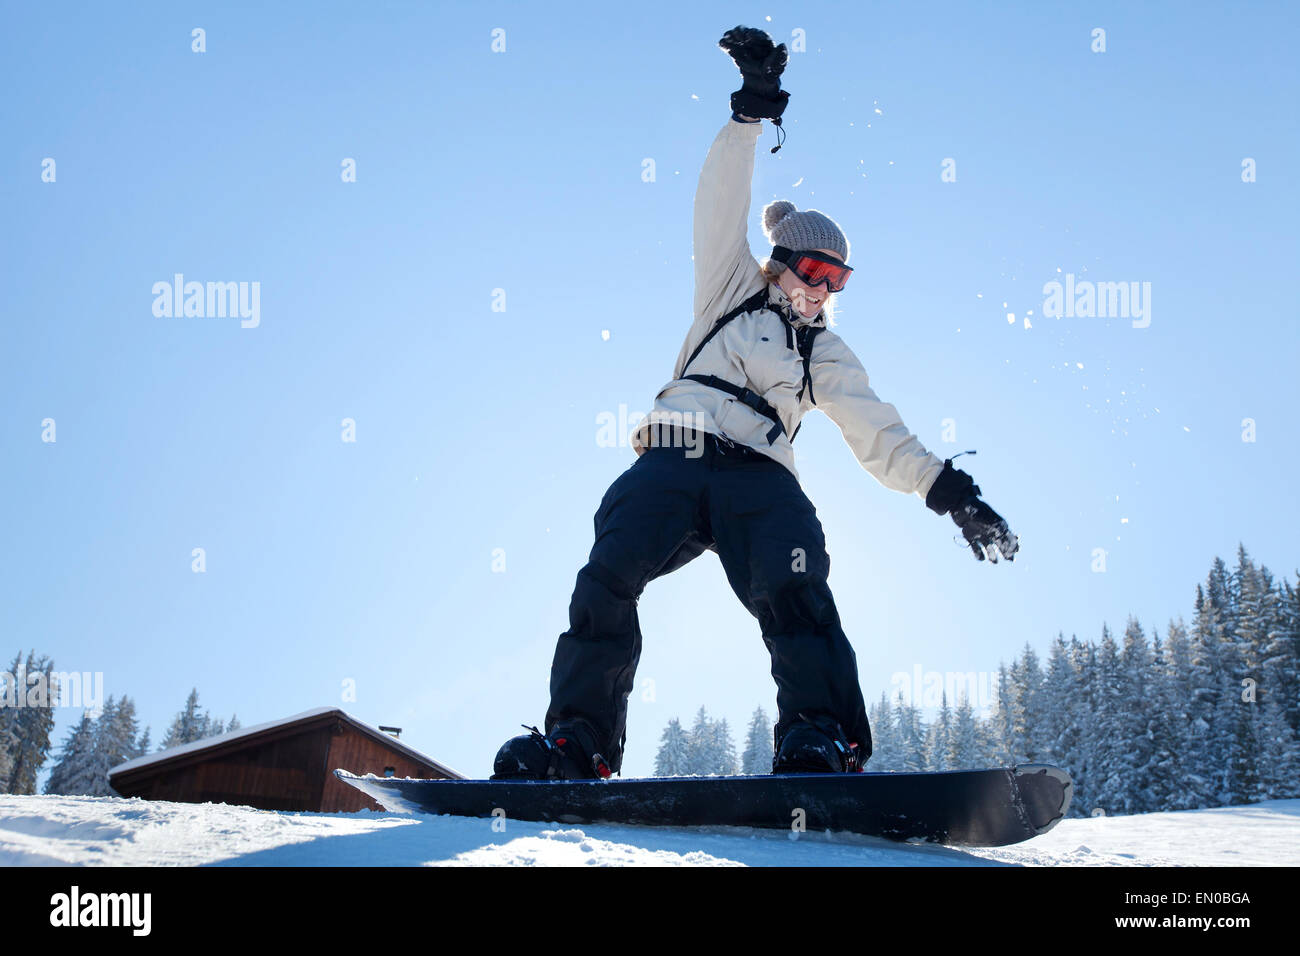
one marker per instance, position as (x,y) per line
(751,349)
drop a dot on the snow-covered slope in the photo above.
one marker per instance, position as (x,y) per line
(48,830)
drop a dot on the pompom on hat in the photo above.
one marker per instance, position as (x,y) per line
(785,225)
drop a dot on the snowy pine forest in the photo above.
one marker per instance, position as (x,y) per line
(1205,715)
(100,740)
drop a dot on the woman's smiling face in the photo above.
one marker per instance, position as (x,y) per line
(807,299)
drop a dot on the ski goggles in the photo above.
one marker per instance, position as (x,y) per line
(814,268)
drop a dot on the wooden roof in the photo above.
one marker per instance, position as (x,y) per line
(201,750)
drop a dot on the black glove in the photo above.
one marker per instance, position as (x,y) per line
(955,492)
(985,531)
(761,65)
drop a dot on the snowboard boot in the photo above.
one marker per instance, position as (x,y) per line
(568,752)
(817,744)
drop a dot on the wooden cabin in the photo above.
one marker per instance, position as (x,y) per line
(282,765)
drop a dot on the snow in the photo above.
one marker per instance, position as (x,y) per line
(112,831)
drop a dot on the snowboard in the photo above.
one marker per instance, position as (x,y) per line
(993,807)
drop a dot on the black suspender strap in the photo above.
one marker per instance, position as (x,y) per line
(804,338)
(756,301)
(746,397)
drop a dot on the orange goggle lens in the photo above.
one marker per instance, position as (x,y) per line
(819,272)
(813,269)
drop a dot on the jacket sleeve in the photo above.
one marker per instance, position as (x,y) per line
(872,428)
(725,270)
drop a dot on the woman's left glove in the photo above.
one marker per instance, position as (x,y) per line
(985,531)
(955,492)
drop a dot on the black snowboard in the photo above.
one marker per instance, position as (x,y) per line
(959,807)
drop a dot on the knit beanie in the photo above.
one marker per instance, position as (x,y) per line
(785,225)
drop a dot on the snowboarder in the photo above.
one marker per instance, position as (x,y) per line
(715,471)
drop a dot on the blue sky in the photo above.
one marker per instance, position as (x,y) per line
(372,561)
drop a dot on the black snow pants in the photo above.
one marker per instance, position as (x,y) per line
(689,493)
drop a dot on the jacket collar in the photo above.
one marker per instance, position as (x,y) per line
(782,305)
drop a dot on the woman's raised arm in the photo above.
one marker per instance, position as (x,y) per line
(725,269)
(724,265)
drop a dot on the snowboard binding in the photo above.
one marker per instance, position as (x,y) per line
(818,744)
(568,752)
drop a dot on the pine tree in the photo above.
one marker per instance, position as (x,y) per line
(1165,723)
(1218,591)
(938,738)
(8,720)
(1025,708)
(1187,783)
(1059,715)
(1000,738)
(884,752)
(986,736)
(233,725)
(723,748)
(1208,754)
(757,757)
(1249,601)
(699,746)
(189,725)
(1083,665)
(72,773)
(1135,721)
(1280,663)
(119,740)
(909,732)
(1279,756)
(31,725)
(1235,718)
(1291,616)
(101,750)
(1107,743)
(1248,638)
(673,757)
(963,743)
